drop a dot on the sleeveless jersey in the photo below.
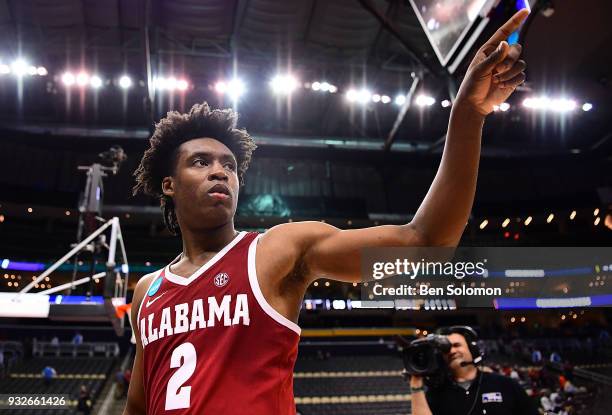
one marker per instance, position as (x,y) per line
(212,345)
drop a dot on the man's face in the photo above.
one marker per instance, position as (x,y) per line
(459,352)
(205,184)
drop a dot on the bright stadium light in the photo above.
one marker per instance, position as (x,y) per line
(424,101)
(504,106)
(4,69)
(182,85)
(544,103)
(400,100)
(364,96)
(171,83)
(376,98)
(284,84)
(19,67)
(220,87)
(233,89)
(351,95)
(323,87)
(82,79)
(385,99)
(95,81)
(41,71)
(125,82)
(587,106)
(446,103)
(31,70)
(68,79)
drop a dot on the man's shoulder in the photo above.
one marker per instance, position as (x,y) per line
(497,380)
(496,377)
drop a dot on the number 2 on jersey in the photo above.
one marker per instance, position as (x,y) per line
(184,358)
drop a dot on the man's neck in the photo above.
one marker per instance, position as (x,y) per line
(200,243)
(466,373)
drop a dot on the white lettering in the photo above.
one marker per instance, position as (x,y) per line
(181,323)
(197,315)
(242,310)
(152,333)
(219,311)
(165,327)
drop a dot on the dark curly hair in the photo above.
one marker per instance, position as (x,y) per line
(159,160)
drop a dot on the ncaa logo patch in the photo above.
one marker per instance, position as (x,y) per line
(221,279)
(154,287)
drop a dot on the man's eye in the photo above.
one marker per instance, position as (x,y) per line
(200,162)
(230,166)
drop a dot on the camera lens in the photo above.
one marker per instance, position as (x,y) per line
(421,358)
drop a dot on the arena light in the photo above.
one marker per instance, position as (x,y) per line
(284,84)
(506,222)
(41,71)
(4,69)
(504,106)
(385,99)
(400,100)
(82,79)
(95,81)
(445,104)
(544,103)
(376,98)
(68,79)
(587,106)
(19,67)
(364,96)
(125,82)
(170,83)
(424,101)
(483,224)
(351,95)
(550,218)
(234,88)
(572,215)
(324,87)
(528,220)
(596,212)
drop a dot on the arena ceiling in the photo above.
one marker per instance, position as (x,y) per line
(339,41)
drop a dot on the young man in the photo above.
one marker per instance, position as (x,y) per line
(470,391)
(216,329)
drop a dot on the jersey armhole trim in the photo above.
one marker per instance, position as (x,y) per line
(157,274)
(254,282)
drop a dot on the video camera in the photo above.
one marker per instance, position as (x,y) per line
(425,357)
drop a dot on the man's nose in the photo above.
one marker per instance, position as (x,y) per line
(218,172)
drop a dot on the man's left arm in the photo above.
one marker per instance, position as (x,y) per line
(323,250)
(523,403)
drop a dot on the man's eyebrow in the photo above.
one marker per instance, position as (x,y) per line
(205,154)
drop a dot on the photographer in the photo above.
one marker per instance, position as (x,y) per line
(463,389)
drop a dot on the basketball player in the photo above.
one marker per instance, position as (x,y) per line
(216,329)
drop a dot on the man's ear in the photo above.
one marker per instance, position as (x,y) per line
(168,186)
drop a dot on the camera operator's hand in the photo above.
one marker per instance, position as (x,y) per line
(416,382)
(417,398)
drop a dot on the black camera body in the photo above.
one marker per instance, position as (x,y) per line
(425,357)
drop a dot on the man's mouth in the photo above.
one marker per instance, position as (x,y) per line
(219,191)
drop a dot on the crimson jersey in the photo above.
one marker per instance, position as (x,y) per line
(211,342)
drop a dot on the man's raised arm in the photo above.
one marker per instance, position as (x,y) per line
(321,250)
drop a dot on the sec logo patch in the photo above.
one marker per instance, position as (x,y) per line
(221,279)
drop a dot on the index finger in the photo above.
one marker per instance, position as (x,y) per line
(508,28)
